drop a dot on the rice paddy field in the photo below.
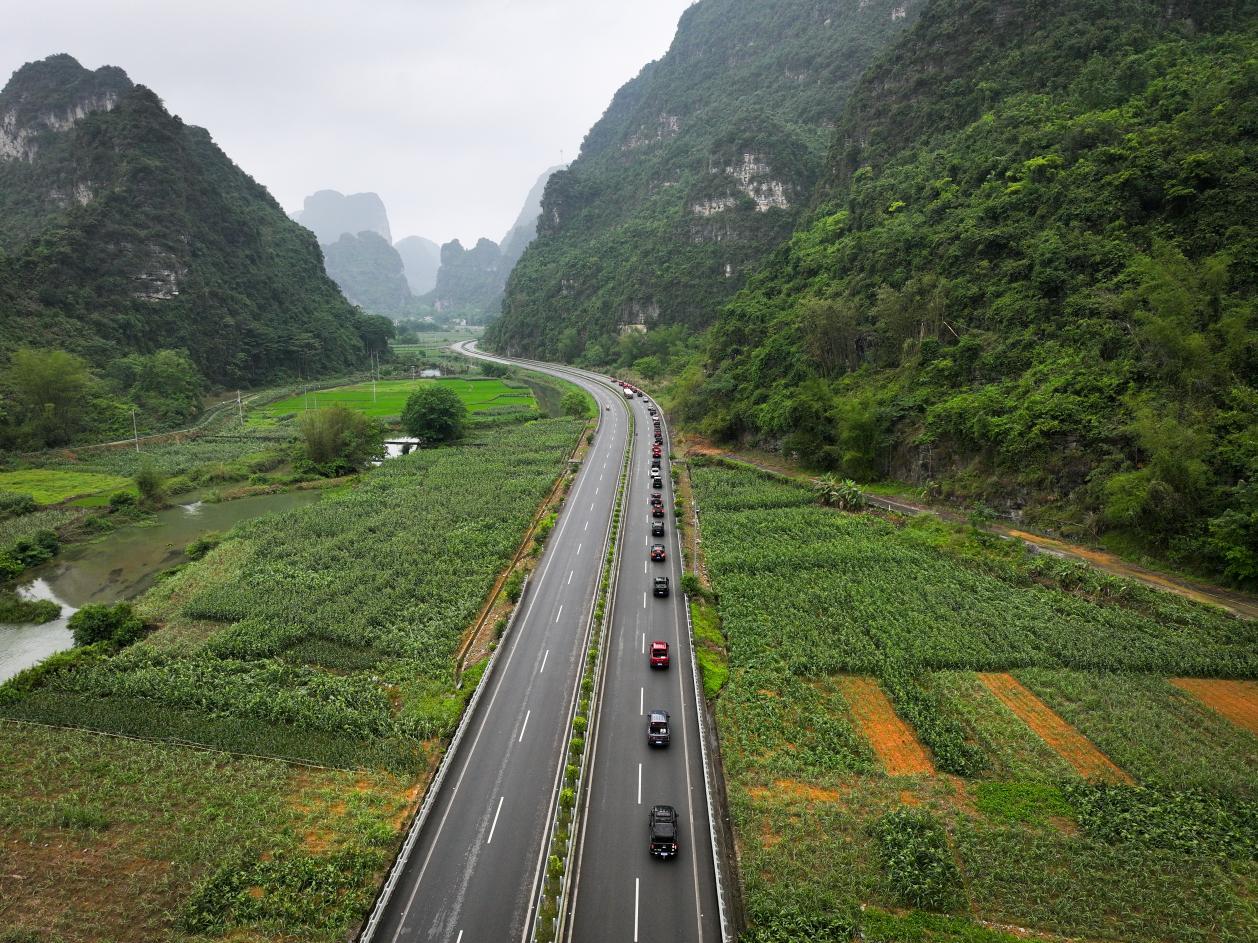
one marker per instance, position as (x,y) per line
(387,398)
(927,736)
(53,486)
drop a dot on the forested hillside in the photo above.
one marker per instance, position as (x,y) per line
(699,168)
(1031,277)
(124,230)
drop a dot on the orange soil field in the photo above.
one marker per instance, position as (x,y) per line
(1235,700)
(891,738)
(1068,743)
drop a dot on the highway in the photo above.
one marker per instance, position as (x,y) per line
(621,893)
(472,875)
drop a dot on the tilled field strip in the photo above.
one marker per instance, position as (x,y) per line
(1068,743)
(891,738)
(1235,700)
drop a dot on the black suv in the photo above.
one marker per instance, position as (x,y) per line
(663,825)
(657,729)
(657,528)
(661,586)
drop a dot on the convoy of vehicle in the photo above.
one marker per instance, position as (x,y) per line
(663,819)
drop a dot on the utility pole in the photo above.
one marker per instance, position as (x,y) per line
(375,370)
(135,429)
(240,408)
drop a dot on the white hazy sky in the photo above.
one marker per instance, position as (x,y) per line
(449,109)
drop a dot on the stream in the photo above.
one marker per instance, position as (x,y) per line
(121,566)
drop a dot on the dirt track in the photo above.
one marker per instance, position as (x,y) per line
(1066,742)
(1235,700)
(891,738)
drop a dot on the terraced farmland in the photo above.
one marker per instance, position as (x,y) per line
(824,612)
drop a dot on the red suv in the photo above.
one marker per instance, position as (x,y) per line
(659,654)
(657,552)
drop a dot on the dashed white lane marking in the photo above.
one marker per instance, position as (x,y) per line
(523,725)
(544,657)
(490,840)
(559,613)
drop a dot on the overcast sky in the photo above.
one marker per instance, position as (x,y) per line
(449,109)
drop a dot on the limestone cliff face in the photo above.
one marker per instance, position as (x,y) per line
(699,168)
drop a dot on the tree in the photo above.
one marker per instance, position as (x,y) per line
(339,440)
(574,404)
(49,389)
(151,484)
(434,414)
(166,386)
(492,368)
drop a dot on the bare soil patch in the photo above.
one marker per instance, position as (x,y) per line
(1065,740)
(1235,700)
(890,737)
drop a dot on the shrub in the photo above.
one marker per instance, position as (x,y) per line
(515,585)
(202,545)
(120,500)
(574,404)
(13,504)
(95,622)
(151,485)
(339,440)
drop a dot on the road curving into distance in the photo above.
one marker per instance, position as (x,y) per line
(473,867)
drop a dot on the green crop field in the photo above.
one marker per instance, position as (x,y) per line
(326,634)
(829,843)
(389,396)
(51,486)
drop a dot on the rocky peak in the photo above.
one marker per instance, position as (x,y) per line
(50,96)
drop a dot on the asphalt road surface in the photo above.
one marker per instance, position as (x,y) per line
(622,893)
(473,874)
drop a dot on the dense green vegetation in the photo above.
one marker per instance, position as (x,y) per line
(657,221)
(369,271)
(1030,280)
(337,440)
(434,414)
(806,594)
(327,633)
(132,232)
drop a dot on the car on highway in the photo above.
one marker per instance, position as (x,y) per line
(657,528)
(663,825)
(657,482)
(655,463)
(657,451)
(657,553)
(659,654)
(661,586)
(657,510)
(657,729)
(657,500)
(659,439)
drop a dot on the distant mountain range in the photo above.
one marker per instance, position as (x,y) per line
(123,229)
(415,276)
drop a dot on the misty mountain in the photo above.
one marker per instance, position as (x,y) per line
(471,281)
(123,229)
(370,272)
(524,230)
(330,214)
(420,260)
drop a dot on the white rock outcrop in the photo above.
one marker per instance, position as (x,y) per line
(20,142)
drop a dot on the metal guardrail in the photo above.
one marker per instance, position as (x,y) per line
(367,934)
